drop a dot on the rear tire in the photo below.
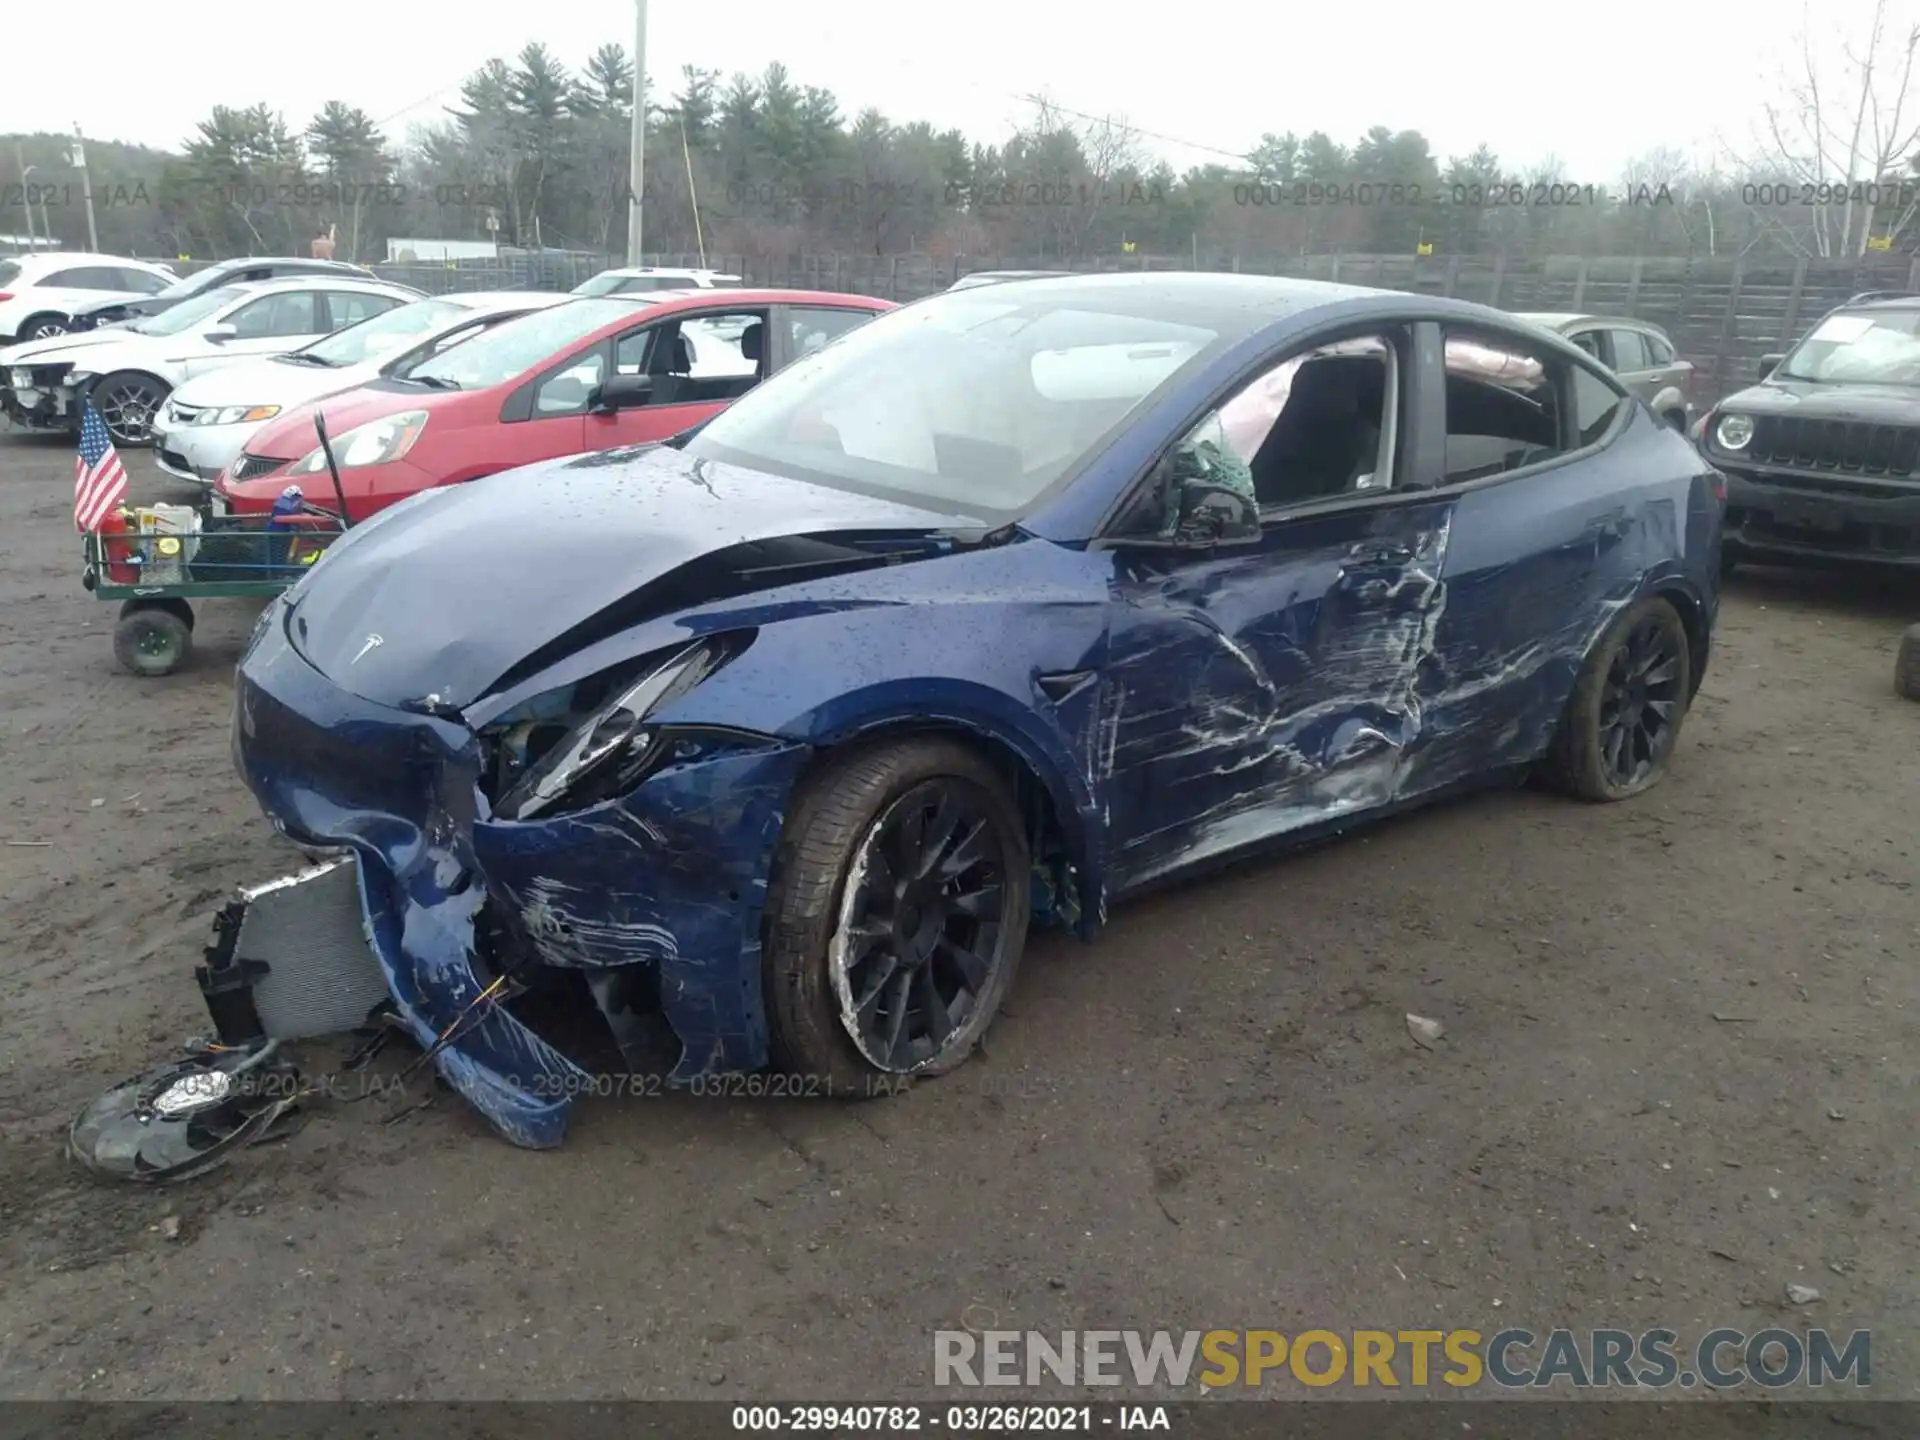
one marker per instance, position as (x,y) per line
(896,917)
(151,639)
(1624,716)
(41,327)
(1906,670)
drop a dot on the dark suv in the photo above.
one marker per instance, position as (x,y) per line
(226,272)
(1822,457)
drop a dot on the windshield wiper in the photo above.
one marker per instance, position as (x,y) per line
(300,358)
(432,382)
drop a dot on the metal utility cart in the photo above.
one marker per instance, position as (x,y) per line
(156,577)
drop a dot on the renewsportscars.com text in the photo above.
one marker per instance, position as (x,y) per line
(1513,1358)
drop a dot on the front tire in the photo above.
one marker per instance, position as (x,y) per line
(897,915)
(127,402)
(1629,701)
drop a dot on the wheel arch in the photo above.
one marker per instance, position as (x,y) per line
(1057,826)
(64,317)
(1693,614)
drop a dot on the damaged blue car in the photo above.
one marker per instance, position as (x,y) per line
(762,749)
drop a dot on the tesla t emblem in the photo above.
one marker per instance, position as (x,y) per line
(373,642)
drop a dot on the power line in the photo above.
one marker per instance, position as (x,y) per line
(1134,129)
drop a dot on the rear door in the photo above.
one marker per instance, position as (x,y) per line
(700,361)
(1552,505)
(1628,358)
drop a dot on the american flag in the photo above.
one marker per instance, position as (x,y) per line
(99,479)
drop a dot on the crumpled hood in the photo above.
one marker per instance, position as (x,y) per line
(1806,400)
(442,594)
(55,350)
(270,382)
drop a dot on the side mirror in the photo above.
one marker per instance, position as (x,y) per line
(1211,513)
(620,392)
(1769,363)
(220,334)
(1205,500)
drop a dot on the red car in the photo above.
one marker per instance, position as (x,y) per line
(589,374)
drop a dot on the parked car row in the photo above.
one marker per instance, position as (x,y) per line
(128,369)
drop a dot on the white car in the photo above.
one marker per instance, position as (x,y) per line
(636,279)
(40,293)
(129,370)
(206,424)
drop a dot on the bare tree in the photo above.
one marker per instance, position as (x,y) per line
(1843,131)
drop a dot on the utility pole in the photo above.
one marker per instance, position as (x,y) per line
(26,203)
(636,176)
(86,186)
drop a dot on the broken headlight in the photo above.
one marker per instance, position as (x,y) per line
(610,748)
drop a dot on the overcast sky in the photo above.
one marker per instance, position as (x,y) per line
(1591,84)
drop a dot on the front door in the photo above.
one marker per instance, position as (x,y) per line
(1249,692)
(699,362)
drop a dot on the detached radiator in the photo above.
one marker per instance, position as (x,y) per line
(290,959)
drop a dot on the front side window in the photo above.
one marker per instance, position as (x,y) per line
(292,313)
(1316,426)
(976,401)
(180,318)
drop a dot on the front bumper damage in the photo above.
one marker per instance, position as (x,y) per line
(654,899)
(39,397)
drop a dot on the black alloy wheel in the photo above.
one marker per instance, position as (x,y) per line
(896,915)
(1629,701)
(919,935)
(1641,701)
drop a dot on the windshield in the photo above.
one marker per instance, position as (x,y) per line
(189,313)
(193,284)
(972,401)
(384,333)
(514,347)
(1874,347)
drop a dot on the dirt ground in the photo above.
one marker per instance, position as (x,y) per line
(1679,1073)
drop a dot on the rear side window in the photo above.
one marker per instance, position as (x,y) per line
(1595,403)
(1659,349)
(1629,352)
(1503,405)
